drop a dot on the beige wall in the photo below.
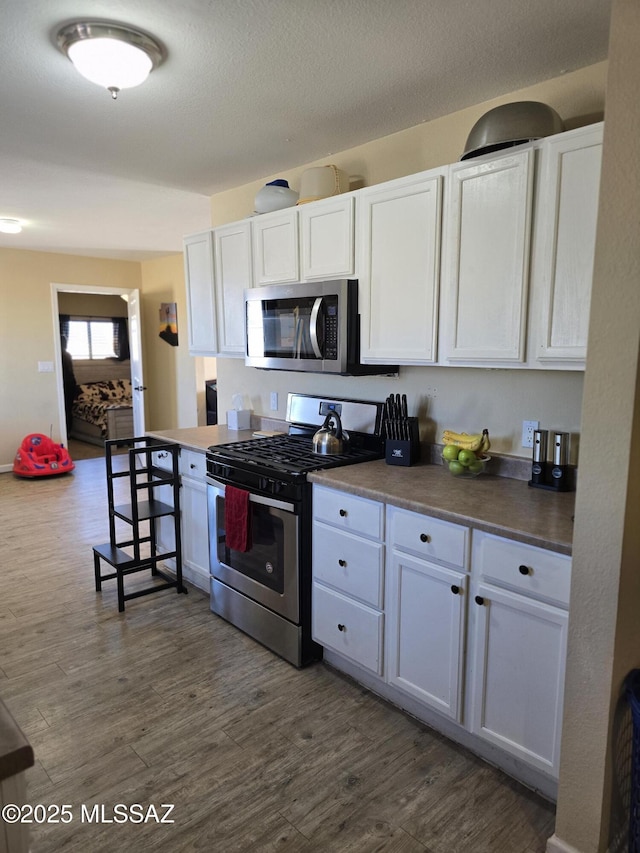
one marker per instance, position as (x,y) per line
(459,398)
(604,625)
(169,372)
(30,398)
(91,305)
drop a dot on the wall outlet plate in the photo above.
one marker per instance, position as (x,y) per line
(528,428)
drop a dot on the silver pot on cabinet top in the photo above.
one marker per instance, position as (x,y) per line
(330,440)
(511,124)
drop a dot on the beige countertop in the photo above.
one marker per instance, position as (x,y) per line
(500,505)
(201,438)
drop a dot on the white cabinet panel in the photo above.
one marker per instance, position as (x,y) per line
(428,537)
(485,284)
(201,311)
(348,627)
(348,563)
(517,685)
(195,530)
(233,273)
(275,247)
(425,632)
(348,512)
(565,233)
(327,238)
(399,227)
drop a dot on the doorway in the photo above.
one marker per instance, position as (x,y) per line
(136,412)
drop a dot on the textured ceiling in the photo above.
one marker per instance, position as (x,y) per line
(249,88)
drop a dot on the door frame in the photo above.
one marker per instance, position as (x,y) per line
(136,346)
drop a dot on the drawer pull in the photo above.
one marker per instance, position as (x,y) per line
(343,513)
(455,589)
(342,563)
(342,627)
(424,537)
(162,454)
(192,466)
(524,570)
(479,599)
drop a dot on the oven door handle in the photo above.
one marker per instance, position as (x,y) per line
(256,499)
(259,499)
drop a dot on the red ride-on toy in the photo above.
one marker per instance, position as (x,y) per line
(40,456)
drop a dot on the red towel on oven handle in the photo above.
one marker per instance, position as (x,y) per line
(237,517)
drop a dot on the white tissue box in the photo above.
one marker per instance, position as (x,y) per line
(239,418)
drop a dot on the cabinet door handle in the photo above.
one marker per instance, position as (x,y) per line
(342,563)
(524,570)
(455,589)
(342,627)
(424,537)
(479,599)
(191,465)
(343,513)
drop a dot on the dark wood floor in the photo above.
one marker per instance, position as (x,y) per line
(168,704)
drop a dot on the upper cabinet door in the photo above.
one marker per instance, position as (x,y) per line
(486,256)
(198,274)
(275,247)
(399,226)
(565,235)
(233,273)
(326,237)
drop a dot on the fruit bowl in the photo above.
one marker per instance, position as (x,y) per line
(465,472)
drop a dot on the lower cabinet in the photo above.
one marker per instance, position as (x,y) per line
(193,517)
(469,625)
(519,639)
(425,631)
(195,525)
(348,576)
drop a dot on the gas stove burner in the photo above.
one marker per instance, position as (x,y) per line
(291,454)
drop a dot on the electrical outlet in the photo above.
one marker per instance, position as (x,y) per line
(274,401)
(527,432)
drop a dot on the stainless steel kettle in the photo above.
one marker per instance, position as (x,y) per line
(329,441)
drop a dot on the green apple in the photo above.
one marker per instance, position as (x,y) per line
(456,468)
(476,467)
(467,457)
(450,452)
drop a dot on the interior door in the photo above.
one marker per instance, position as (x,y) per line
(135,345)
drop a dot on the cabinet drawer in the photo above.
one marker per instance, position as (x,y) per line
(348,627)
(192,464)
(427,537)
(348,512)
(524,568)
(349,563)
(162,459)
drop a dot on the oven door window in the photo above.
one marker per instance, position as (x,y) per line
(271,542)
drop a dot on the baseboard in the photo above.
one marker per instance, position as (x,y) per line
(5,469)
(557,845)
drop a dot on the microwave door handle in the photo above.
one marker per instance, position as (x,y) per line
(313,326)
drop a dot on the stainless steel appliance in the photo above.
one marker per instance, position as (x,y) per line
(265,590)
(312,327)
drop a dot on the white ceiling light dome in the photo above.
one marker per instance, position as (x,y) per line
(111,55)
(10,226)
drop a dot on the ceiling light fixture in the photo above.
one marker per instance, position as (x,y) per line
(10,226)
(111,55)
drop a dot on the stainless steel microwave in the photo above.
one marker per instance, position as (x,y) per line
(312,327)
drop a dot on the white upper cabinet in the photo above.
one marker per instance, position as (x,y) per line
(201,309)
(275,247)
(399,224)
(233,273)
(327,238)
(564,243)
(486,260)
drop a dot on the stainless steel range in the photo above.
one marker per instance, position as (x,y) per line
(263,583)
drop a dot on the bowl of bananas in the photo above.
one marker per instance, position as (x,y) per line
(465,454)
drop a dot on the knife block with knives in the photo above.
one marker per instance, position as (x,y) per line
(402,434)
